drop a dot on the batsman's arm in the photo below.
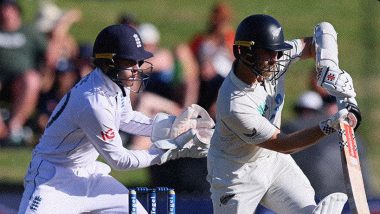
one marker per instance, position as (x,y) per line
(302,139)
(293,142)
(253,128)
(329,76)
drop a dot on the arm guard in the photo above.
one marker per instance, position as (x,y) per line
(326,46)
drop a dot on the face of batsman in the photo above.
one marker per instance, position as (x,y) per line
(119,52)
(259,44)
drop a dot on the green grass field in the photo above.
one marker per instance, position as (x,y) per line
(357,23)
(15,161)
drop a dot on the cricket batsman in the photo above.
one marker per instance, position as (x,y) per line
(64,175)
(248,161)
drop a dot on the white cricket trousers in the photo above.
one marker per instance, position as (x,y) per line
(53,189)
(274,180)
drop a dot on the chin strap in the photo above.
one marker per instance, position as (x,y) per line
(112,74)
(251,68)
(122,90)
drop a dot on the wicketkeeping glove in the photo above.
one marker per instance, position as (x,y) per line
(336,81)
(194,117)
(168,127)
(191,144)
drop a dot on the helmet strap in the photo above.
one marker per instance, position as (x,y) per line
(112,73)
(250,65)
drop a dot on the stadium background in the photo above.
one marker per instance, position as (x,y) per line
(357,23)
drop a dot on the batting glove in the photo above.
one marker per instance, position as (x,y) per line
(336,81)
(354,114)
(330,125)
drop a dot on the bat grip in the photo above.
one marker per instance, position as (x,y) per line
(341,101)
(354,115)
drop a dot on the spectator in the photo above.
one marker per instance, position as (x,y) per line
(165,91)
(83,62)
(202,62)
(174,78)
(62,47)
(62,51)
(162,75)
(128,19)
(22,55)
(65,79)
(213,50)
(178,81)
(321,162)
(186,77)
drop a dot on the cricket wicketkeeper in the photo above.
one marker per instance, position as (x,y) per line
(64,175)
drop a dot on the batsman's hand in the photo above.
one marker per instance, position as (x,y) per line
(336,81)
(191,144)
(331,125)
(354,114)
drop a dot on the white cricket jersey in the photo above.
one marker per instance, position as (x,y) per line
(87,121)
(248,115)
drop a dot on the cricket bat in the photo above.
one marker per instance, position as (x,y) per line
(357,198)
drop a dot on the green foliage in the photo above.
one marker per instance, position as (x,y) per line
(356,22)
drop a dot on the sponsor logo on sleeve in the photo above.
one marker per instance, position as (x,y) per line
(108,134)
(225,198)
(252,134)
(262,109)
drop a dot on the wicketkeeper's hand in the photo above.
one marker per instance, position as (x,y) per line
(191,144)
(194,117)
(168,127)
(336,81)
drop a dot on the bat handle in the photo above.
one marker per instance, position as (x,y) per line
(341,101)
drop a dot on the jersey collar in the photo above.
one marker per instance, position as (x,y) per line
(240,84)
(109,87)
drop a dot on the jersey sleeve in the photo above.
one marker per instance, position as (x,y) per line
(137,123)
(295,53)
(251,128)
(99,126)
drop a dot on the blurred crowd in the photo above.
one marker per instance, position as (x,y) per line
(41,61)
